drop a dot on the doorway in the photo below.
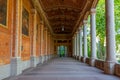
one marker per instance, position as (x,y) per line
(62,51)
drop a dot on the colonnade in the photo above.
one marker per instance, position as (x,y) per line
(80,45)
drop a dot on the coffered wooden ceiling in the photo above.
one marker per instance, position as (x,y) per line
(64,16)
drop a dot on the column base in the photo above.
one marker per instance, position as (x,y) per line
(40,59)
(16,67)
(33,61)
(46,58)
(79,58)
(75,57)
(84,59)
(43,59)
(109,67)
(92,62)
(52,56)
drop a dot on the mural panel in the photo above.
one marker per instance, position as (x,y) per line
(3,12)
(25,22)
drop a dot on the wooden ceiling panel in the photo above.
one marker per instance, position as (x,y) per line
(64,13)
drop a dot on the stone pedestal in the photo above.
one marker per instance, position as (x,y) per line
(76,57)
(49,56)
(80,58)
(92,62)
(84,59)
(109,67)
(33,61)
(43,59)
(16,66)
(40,59)
(46,58)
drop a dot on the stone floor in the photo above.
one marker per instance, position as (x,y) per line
(64,69)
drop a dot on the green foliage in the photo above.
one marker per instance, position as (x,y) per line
(100,26)
(117,23)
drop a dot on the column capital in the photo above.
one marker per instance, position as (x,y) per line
(33,11)
(49,34)
(41,22)
(45,28)
(93,10)
(80,29)
(74,36)
(85,21)
(76,32)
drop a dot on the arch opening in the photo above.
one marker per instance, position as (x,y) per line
(62,51)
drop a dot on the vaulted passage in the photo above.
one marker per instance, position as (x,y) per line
(58,40)
(64,69)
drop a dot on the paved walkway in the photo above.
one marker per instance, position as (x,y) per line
(65,69)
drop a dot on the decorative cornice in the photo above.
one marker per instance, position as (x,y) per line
(42,13)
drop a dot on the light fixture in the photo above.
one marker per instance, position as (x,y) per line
(62,28)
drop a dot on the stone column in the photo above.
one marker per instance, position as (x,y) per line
(16,66)
(41,42)
(73,46)
(80,43)
(77,44)
(46,45)
(93,37)
(110,38)
(52,51)
(33,55)
(51,46)
(85,39)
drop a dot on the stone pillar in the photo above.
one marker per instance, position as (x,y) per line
(85,39)
(73,46)
(110,38)
(77,44)
(33,54)
(53,49)
(39,39)
(46,45)
(41,42)
(16,66)
(93,37)
(80,43)
(49,45)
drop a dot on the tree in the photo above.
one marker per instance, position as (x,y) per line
(100,26)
